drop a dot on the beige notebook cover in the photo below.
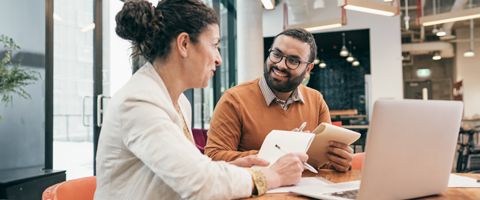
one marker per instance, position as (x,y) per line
(325,132)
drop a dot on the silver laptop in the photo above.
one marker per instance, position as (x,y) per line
(409,153)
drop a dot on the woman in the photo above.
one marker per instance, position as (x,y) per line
(146,149)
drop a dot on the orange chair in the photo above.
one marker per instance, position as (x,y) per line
(76,189)
(357,160)
(337,123)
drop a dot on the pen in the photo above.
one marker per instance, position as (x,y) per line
(302,126)
(306,165)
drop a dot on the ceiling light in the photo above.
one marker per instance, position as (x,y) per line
(436,56)
(322,64)
(355,63)
(469,54)
(344,50)
(316,61)
(451,16)
(329,26)
(441,33)
(268,4)
(406,19)
(317,25)
(350,58)
(369,7)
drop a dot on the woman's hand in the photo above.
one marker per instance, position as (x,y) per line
(287,170)
(249,161)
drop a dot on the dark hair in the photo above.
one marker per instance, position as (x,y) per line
(151,29)
(304,36)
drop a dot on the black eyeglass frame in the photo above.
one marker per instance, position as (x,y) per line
(285,60)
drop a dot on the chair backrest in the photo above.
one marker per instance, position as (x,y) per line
(200,137)
(76,189)
(337,123)
(357,160)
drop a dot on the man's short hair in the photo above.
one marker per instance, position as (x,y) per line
(304,36)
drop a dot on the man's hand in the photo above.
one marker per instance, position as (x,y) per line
(249,161)
(340,156)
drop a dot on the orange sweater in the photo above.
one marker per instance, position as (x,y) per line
(242,120)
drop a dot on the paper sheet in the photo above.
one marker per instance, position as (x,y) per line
(462,181)
(326,188)
(305,181)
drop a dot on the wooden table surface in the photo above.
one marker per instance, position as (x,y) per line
(451,193)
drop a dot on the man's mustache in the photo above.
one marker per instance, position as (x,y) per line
(281,70)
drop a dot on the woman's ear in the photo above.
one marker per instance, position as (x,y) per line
(183,43)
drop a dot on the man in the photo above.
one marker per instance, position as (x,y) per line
(248,112)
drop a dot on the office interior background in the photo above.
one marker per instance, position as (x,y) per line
(81,63)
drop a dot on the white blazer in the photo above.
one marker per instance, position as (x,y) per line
(144,154)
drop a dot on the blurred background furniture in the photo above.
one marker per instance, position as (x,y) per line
(468,150)
(76,189)
(200,137)
(27,183)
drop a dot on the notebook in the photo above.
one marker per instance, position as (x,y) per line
(315,144)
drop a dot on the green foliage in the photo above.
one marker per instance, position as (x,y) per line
(13,78)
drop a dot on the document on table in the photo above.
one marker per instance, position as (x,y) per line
(462,181)
(326,188)
(305,181)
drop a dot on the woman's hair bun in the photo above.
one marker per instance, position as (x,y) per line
(134,20)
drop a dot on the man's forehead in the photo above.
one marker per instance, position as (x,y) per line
(291,46)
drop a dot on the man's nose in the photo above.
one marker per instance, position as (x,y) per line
(282,64)
(218,60)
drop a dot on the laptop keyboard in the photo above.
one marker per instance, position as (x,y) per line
(350,194)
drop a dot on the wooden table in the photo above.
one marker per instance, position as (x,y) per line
(451,193)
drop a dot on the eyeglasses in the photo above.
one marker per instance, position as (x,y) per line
(290,61)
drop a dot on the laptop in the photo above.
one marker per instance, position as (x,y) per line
(409,152)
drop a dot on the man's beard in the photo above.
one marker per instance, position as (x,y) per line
(282,86)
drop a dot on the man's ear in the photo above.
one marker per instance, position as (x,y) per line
(183,43)
(310,67)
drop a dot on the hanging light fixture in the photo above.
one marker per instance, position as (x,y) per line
(344,50)
(436,56)
(470,53)
(316,61)
(406,19)
(355,63)
(322,64)
(441,32)
(434,30)
(350,58)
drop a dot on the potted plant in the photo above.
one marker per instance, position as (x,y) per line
(13,78)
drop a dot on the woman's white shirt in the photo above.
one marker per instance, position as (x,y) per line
(143,152)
